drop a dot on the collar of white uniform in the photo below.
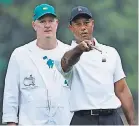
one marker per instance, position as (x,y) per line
(32,45)
(73,43)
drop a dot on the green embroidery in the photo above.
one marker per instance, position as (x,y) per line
(66,82)
(49,62)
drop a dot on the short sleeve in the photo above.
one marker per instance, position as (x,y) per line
(118,72)
(66,75)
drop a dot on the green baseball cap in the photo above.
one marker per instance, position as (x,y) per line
(43,9)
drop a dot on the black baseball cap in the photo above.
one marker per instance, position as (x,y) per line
(79,10)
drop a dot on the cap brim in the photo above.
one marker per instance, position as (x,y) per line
(47,13)
(80,14)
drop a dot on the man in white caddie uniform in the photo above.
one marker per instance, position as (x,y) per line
(35,92)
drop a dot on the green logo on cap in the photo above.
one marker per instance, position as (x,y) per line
(45,8)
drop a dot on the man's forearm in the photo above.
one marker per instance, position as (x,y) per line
(128,107)
(70,58)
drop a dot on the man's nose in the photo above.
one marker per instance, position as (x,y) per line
(47,24)
(83,27)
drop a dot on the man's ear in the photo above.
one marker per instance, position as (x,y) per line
(93,23)
(57,21)
(33,25)
(70,27)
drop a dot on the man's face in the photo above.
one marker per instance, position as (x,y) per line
(46,26)
(82,28)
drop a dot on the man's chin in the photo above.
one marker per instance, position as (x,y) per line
(48,37)
(85,38)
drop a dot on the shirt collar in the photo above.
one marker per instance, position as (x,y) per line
(73,43)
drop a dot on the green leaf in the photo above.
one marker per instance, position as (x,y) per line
(6,1)
(2,64)
(132,81)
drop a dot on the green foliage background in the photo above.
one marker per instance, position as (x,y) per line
(116,24)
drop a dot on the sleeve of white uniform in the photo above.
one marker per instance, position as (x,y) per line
(66,75)
(118,73)
(11,92)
